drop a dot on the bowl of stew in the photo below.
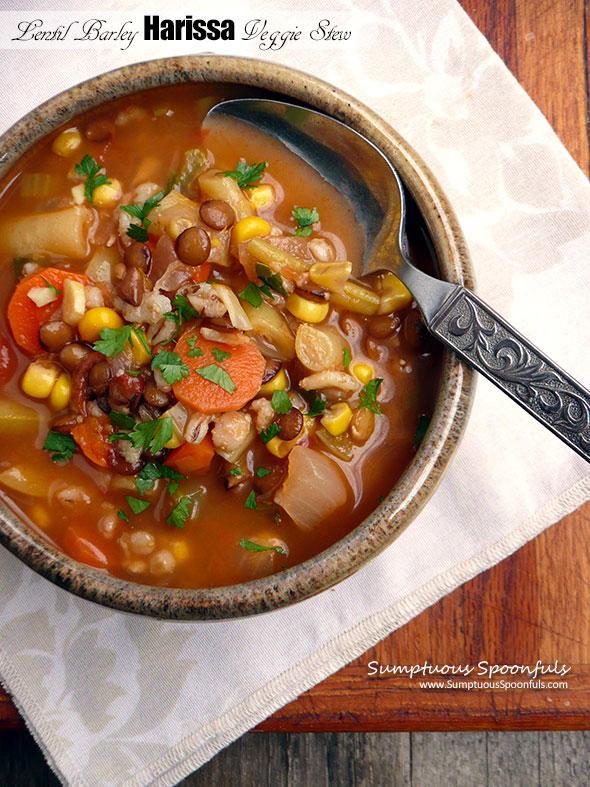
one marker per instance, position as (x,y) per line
(204,412)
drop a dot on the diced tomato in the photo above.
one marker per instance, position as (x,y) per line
(83,550)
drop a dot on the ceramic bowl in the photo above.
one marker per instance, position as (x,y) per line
(421,477)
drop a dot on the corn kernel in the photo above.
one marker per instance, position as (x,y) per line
(95,320)
(394,295)
(307,311)
(40,516)
(107,195)
(60,393)
(279,382)
(362,372)
(180,551)
(140,354)
(280,448)
(250,227)
(332,275)
(176,439)
(261,196)
(337,418)
(67,142)
(39,379)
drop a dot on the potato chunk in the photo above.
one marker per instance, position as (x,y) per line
(62,232)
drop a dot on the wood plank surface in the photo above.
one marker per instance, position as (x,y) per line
(536,603)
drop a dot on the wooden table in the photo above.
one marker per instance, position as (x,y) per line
(536,603)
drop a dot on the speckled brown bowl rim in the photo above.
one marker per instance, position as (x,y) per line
(423,474)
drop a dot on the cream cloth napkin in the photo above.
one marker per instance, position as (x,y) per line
(114,699)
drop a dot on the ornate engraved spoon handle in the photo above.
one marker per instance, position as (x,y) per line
(488,343)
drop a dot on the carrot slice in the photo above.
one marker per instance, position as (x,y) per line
(201,272)
(190,459)
(83,550)
(244,365)
(25,318)
(92,437)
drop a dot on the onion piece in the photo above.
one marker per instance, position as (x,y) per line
(237,315)
(313,489)
(41,296)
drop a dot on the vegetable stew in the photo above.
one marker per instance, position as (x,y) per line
(195,388)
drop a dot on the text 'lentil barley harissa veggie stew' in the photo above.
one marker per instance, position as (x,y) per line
(196,390)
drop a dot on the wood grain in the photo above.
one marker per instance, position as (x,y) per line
(536,603)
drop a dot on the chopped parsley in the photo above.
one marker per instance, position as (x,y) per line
(122,515)
(179,513)
(122,420)
(280,402)
(113,340)
(346,359)
(63,446)
(270,279)
(235,472)
(141,336)
(262,471)
(194,352)
(137,506)
(215,374)
(305,218)
(368,395)
(246,176)
(251,294)
(153,471)
(423,423)
(220,355)
(251,501)
(89,169)
(317,406)
(267,434)
(252,546)
(139,211)
(53,289)
(147,435)
(183,312)
(171,366)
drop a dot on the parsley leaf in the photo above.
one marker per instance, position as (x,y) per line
(267,434)
(280,402)
(220,355)
(252,546)
(235,472)
(215,374)
(179,513)
(53,289)
(113,340)
(139,211)
(346,358)
(137,506)
(368,395)
(137,232)
(194,352)
(251,501)
(171,366)
(246,176)
(262,471)
(147,435)
(274,280)
(63,445)
(122,515)
(251,294)
(317,407)
(89,169)
(305,218)
(423,423)
(153,471)
(182,313)
(122,420)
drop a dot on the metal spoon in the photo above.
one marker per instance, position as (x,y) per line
(452,313)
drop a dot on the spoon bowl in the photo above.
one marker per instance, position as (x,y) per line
(452,313)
